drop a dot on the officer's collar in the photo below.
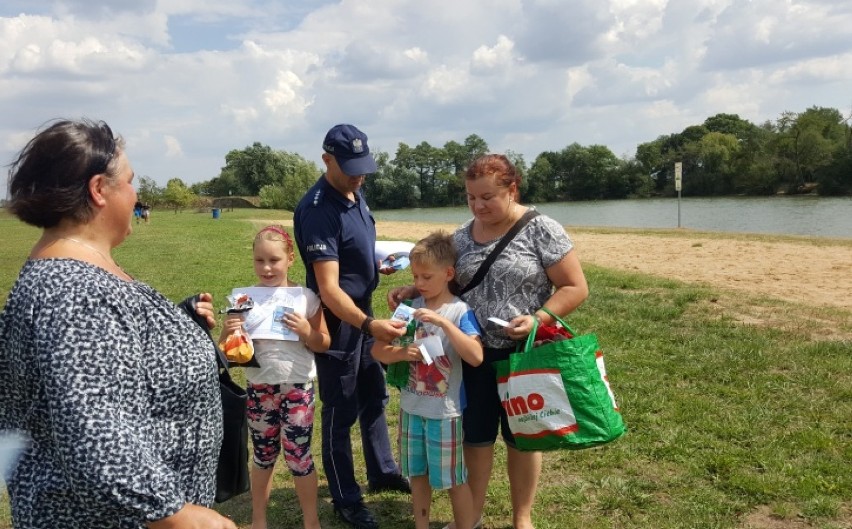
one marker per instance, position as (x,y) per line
(337,195)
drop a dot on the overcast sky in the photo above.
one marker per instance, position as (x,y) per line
(186,81)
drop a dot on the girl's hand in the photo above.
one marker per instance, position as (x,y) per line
(232,323)
(298,324)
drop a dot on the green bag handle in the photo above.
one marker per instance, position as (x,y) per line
(531,337)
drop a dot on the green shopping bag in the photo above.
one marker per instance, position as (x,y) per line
(397,373)
(557,395)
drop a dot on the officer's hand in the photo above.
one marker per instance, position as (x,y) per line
(387,330)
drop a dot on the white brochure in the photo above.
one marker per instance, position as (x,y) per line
(264,321)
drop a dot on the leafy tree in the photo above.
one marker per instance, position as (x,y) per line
(177,195)
(149,193)
(425,161)
(272,196)
(808,142)
(226,184)
(656,161)
(392,187)
(725,154)
(730,124)
(714,156)
(541,184)
(458,158)
(633,179)
(836,178)
(254,167)
(583,171)
(298,176)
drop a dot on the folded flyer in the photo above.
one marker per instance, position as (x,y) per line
(264,320)
(398,249)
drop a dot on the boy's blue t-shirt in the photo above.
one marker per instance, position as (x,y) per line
(435,391)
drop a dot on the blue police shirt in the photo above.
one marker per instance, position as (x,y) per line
(330,227)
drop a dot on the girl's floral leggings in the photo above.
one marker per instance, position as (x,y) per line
(282,414)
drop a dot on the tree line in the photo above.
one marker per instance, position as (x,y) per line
(805,152)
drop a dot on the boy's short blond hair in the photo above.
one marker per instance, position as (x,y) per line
(436,248)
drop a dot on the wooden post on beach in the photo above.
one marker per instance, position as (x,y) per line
(678,178)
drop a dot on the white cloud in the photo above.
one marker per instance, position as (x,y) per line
(285,99)
(445,84)
(203,77)
(485,58)
(173,148)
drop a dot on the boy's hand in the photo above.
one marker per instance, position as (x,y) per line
(397,294)
(411,353)
(430,316)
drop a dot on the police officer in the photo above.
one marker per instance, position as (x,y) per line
(336,236)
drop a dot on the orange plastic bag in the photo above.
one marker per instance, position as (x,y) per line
(238,348)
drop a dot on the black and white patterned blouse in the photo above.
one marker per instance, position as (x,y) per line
(117,389)
(516,283)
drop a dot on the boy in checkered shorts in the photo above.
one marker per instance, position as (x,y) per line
(431,403)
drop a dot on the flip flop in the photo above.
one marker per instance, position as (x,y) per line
(477,525)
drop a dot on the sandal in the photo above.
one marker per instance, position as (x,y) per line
(477,525)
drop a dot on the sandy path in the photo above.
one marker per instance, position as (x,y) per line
(815,272)
(812,272)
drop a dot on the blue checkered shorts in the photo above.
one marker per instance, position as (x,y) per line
(432,447)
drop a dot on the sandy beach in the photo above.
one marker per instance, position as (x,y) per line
(814,272)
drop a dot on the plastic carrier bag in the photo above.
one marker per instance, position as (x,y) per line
(557,394)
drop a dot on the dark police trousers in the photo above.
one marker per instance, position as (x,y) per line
(352,386)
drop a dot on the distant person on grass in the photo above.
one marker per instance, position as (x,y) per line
(336,236)
(281,390)
(115,385)
(430,423)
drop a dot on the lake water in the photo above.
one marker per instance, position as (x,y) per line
(801,215)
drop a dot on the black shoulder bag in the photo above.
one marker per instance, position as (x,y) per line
(501,245)
(232,473)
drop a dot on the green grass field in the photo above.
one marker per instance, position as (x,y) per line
(730,425)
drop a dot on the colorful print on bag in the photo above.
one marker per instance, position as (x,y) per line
(557,395)
(536,404)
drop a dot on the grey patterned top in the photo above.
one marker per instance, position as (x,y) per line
(517,283)
(118,390)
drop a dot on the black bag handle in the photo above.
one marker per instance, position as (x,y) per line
(190,306)
(507,238)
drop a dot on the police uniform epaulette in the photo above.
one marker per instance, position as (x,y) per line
(317,198)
